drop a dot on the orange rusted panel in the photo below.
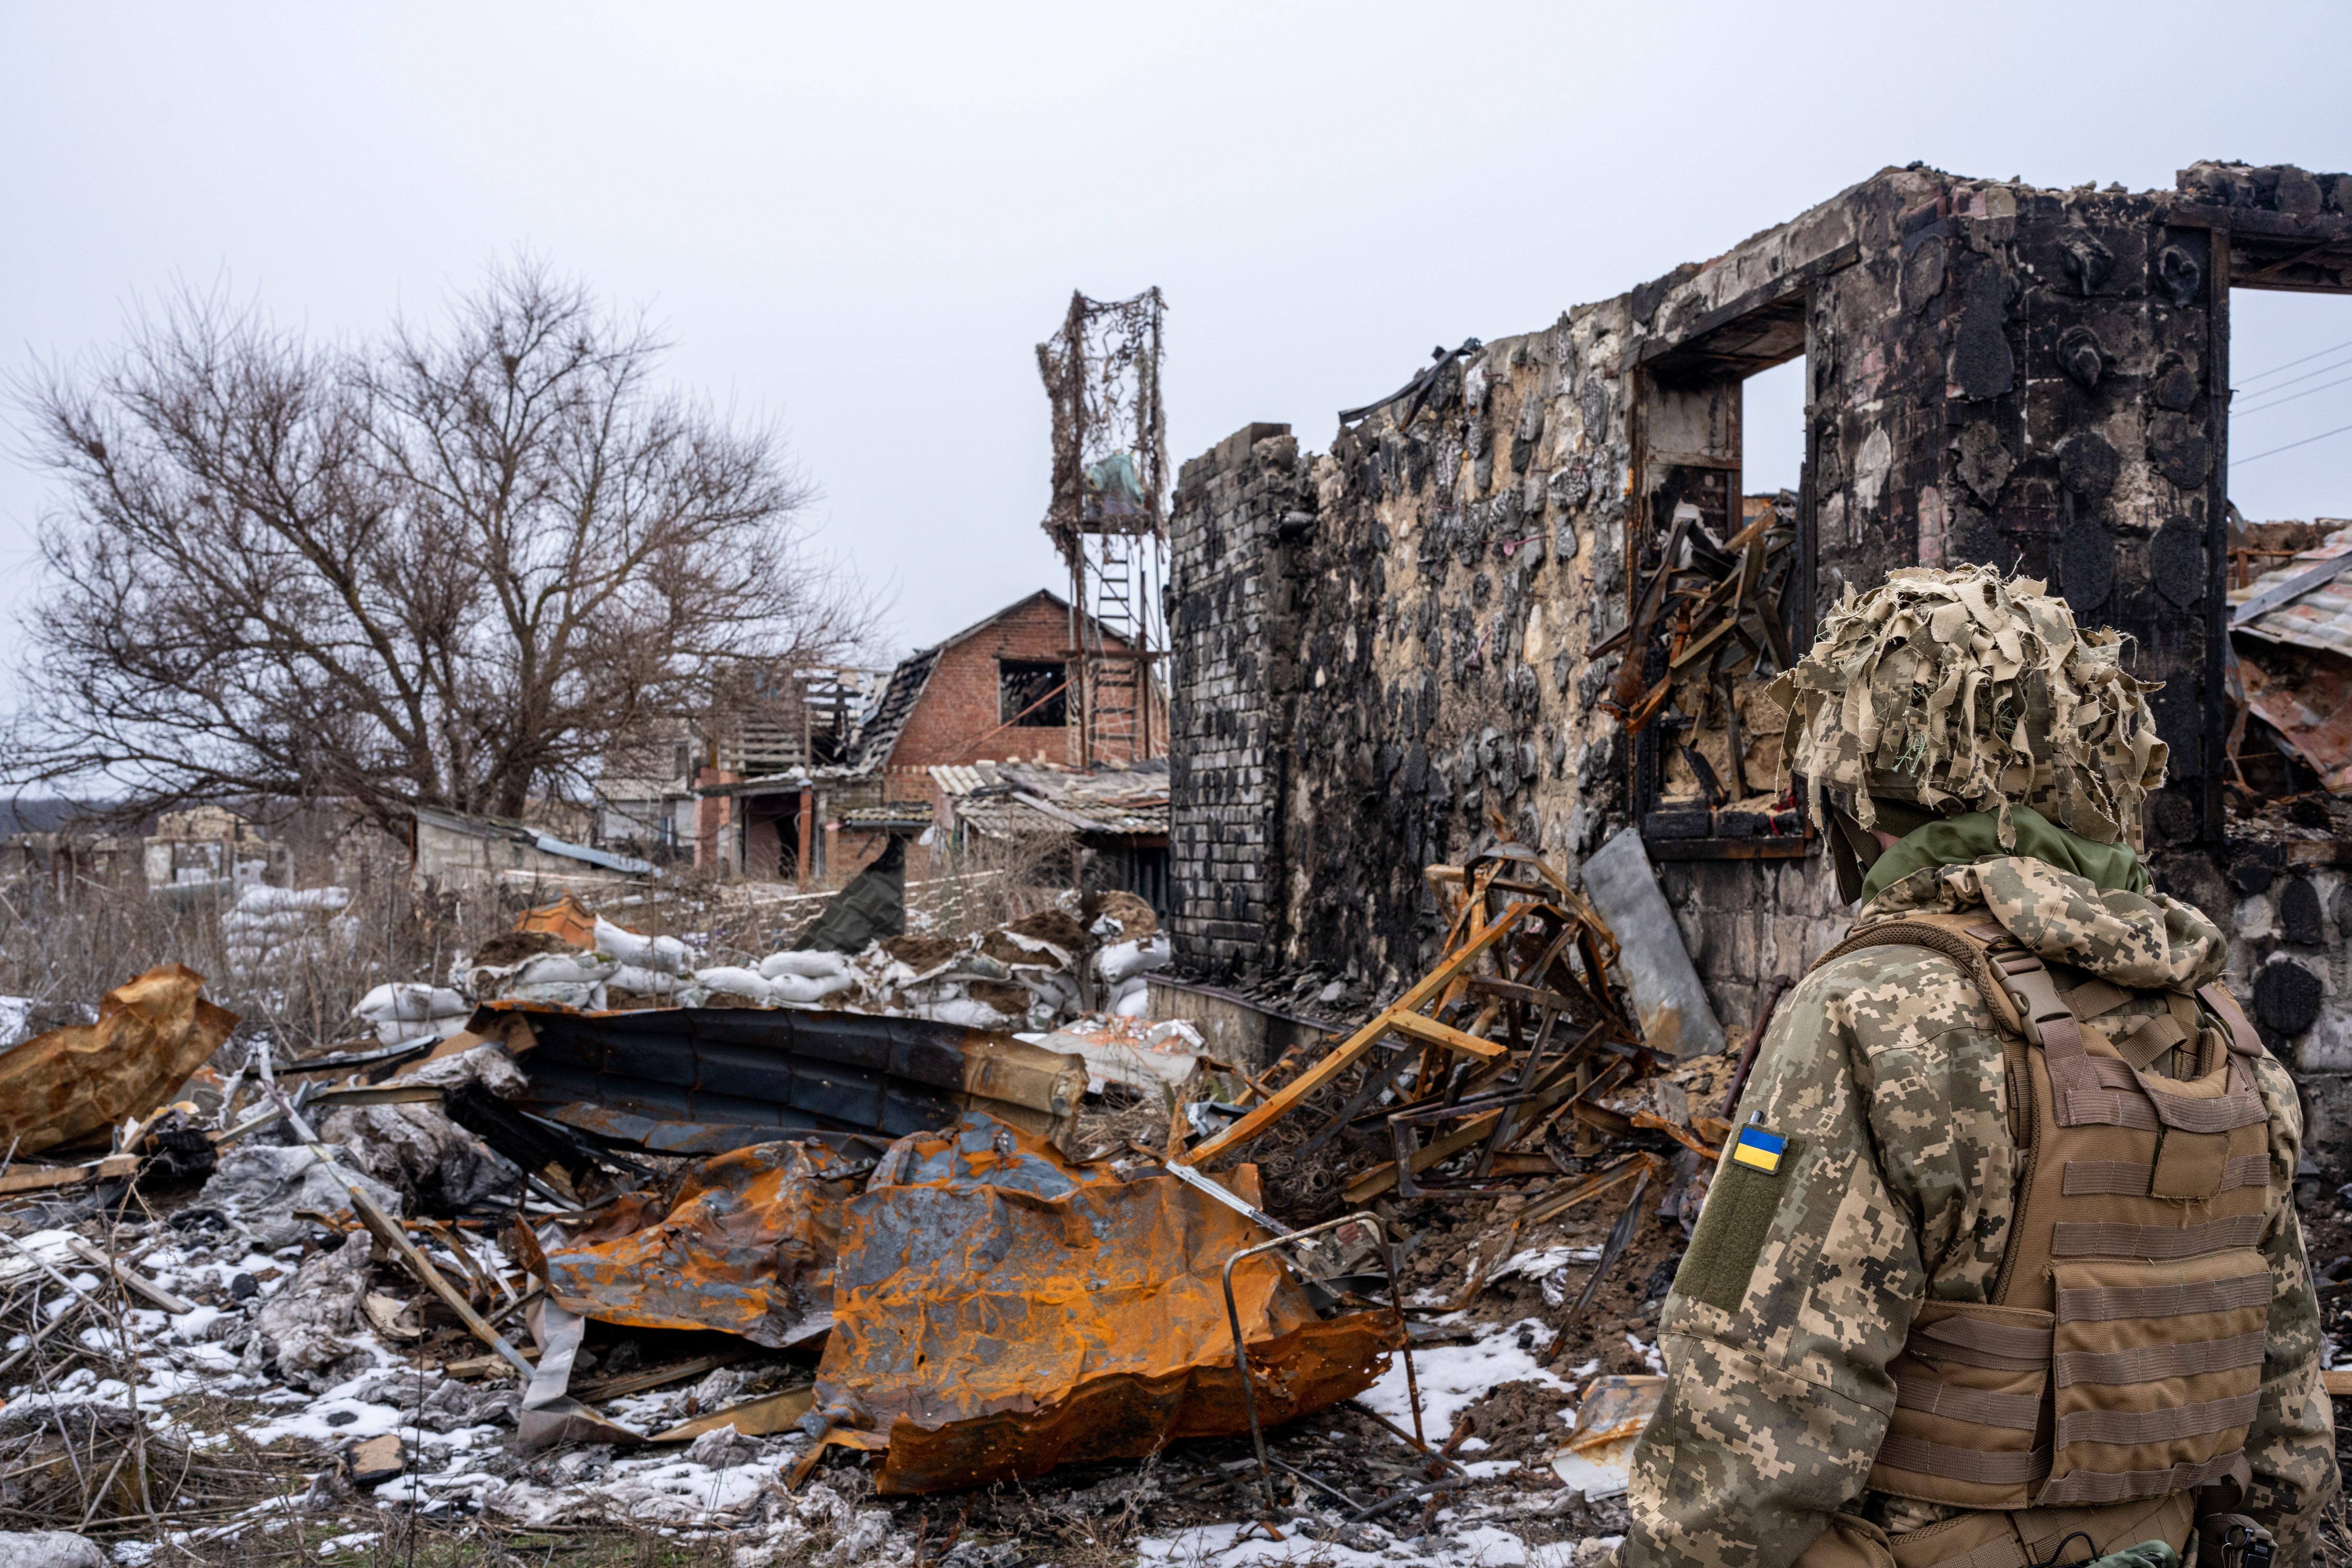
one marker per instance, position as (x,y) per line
(747,1247)
(1000,1311)
(567,919)
(69,1083)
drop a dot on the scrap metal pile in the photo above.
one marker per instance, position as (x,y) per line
(1512,1069)
(738,1241)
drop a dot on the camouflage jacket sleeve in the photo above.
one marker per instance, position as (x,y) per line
(2292,1449)
(1884,1075)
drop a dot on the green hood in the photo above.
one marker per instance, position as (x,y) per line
(1962,840)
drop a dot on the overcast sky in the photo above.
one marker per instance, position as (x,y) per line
(856,221)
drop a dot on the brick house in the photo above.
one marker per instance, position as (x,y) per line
(998,691)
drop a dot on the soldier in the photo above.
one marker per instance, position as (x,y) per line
(2001,1267)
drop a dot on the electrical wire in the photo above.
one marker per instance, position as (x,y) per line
(2290,364)
(2290,446)
(2290,397)
(2306,375)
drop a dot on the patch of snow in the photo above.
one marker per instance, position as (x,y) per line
(1478,1546)
(1454,1377)
(365,1420)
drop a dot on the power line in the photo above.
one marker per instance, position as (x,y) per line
(2290,397)
(2290,446)
(2306,375)
(2290,364)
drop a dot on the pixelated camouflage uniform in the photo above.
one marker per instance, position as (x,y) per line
(1885,1070)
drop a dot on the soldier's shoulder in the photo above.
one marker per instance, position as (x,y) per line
(1892,965)
(1892,994)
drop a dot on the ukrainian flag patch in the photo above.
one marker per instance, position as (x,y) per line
(1760,1149)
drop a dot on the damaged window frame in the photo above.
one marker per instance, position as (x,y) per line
(1687,418)
(1032,693)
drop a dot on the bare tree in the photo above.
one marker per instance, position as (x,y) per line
(449,568)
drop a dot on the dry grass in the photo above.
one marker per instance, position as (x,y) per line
(66,942)
(404,1539)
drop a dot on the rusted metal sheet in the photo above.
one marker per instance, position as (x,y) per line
(151,1033)
(703,1079)
(747,1247)
(1000,1311)
(2311,711)
(567,919)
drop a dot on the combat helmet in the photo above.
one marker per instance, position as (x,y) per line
(1944,690)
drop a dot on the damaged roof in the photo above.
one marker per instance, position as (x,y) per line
(887,718)
(879,736)
(890,816)
(474,827)
(1008,800)
(2307,602)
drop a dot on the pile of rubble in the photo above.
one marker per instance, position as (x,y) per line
(595,1233)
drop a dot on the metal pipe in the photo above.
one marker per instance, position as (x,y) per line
(1241,1349)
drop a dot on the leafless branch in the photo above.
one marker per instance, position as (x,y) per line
(454,566)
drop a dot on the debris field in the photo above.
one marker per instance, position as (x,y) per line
(586,1238)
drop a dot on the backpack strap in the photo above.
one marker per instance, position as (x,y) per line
(2014,982)
(2242,1038)
(1967,942)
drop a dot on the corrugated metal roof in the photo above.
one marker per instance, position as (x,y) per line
(1018,799)
(907,814)
(2311,711)
(2320,617)
(521,832)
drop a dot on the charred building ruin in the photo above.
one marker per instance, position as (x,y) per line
(1380,648)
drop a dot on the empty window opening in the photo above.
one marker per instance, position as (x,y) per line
(2290,406)
(1721,577)
(1033,693)
(1772,429)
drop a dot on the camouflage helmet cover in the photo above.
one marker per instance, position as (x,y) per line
(1960,688)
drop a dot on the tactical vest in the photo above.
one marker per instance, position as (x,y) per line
(2120,1358)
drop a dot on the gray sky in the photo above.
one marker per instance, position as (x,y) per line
(856,221)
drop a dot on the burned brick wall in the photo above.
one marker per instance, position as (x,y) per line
(1406,623)
(1229,615)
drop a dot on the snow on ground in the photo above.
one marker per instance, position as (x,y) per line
(1454,1377)
(1548,1266)
(334,1417)
(1361,1546)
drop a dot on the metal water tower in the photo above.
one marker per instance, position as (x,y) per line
(1108,515)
